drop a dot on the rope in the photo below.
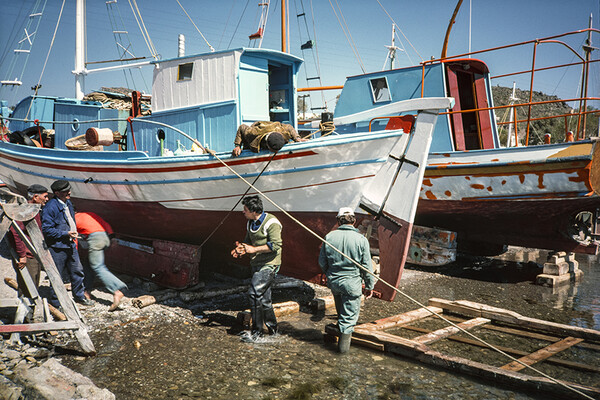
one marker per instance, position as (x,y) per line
(238,202)
(142,27)
(193,23)
(349,39)
(395,288)
(326,127)
(47,55)
(251,185)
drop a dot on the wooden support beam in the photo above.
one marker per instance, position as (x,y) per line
(450,330)
(400,319)
(472,309)
(513,352)
(68,305)
(421,352)
(542,354)
(525,333)
(39,327)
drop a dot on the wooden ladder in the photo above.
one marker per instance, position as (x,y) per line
(18,210)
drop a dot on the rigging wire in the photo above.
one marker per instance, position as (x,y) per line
(142,26)
(117,37)
(238,24)
(226,24)
(318,62)
(398,26)
(193,23)
(47,55)
(348,37)
(29,38)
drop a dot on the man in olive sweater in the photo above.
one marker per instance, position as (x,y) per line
(263,243)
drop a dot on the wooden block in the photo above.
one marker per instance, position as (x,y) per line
(560,268)
(244,318)
(556,280)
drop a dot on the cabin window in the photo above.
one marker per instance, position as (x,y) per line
(185,72)
(379,89)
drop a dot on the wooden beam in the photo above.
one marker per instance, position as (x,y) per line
(39,327)
(420,352)
(450,330)
(524,333)
(514,352)
(472,309)
(400,319)
(542,354)
(70,310)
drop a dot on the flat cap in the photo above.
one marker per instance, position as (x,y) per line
(37,189)
(60,186)
(345,211)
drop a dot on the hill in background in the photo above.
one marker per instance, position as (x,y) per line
(557,127)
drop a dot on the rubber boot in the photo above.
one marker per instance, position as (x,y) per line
(257,320)
(271,321)
(344,342)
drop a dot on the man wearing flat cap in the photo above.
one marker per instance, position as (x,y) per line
(36,194)
(60,233)
(344,277)
(264,135)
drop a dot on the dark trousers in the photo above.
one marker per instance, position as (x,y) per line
(261,307)
(67,262)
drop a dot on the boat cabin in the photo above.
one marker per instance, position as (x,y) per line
(209,95)
(467,80)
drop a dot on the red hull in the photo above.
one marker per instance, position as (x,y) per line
(300,248)
(539,224)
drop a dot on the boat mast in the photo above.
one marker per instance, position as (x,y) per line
(445,47)
(283,28)
(80,50)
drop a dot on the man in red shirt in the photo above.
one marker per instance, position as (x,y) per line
(96,232)
(36,194)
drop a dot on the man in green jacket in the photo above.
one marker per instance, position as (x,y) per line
(345,278)
(264,135)
(263,243)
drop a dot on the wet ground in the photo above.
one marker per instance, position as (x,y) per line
(185,351)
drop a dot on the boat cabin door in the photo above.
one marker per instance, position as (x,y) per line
(466,81)
(281,102)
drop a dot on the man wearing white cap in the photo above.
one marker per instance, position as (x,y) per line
(345,278)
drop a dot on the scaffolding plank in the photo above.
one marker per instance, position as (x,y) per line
(39,327)
(514,352)
(473,309)
(525,333)
(450,330)
(542,354)
(400,319)
(420,352)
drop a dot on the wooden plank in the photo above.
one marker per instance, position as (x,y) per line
(5,223)
(400,319)
(421,352)
(542,354)
(450,330)
(473,309)
(14,302)
(514,352)
(524,333)
(39,327)
(67,303)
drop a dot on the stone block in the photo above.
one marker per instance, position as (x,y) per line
(54,381)
(560,268)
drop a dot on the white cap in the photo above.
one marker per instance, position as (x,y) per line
(345,211)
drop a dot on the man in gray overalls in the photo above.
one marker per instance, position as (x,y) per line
(345,278)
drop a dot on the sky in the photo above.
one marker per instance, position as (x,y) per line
(227,23)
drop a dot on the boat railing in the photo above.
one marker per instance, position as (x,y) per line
(130,120)
(530,119)
(582,99)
